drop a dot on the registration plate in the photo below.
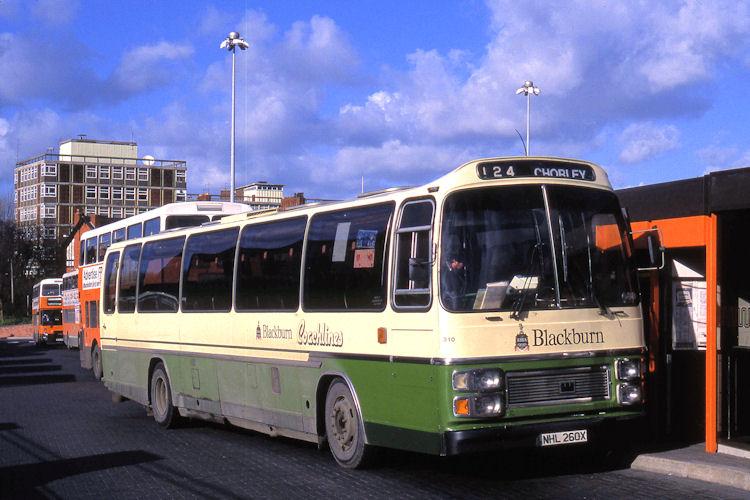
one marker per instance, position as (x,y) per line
(566,437)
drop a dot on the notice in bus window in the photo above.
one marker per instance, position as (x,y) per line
(366,238)
(364,258)
(339,245)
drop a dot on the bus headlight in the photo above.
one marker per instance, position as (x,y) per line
(629,394)
(483,380)
(480,406)
(628,369)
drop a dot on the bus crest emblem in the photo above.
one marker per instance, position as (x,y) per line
(522,340)
(257,332)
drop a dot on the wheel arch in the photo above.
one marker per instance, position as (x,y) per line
(324,382)
(155,360)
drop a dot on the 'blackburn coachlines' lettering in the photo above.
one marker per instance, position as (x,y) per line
(566,337)
(322,336)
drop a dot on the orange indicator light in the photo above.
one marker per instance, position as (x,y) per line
(382,335)
(461,406)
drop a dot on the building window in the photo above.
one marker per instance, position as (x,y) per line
(48,212)
(90,210)
(117,173)
(49,190)
(128,212)
(104,193)
(91,171)
(103,211)
(180,195)
(142,194)
(143,174)
(90,192)
(129,193)
(49,170)
(129,173)
(117,213)
(49,232)
(179,176)
(116,193)
(104,172)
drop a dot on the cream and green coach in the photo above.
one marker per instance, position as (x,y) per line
(494,307)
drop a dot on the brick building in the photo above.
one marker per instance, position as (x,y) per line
(105,178)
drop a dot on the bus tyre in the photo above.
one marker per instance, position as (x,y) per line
(96,362)
(164,411)
(344,427)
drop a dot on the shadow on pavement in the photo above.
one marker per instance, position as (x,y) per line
(5,370)
(8,426)
(21,480)
(14,362)
(35,379)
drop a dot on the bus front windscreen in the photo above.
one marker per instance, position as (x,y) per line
(534,247)
(50,290)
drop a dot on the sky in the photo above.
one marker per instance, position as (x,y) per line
(398,93)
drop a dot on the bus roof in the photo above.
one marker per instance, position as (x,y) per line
(180,208)
(50,281)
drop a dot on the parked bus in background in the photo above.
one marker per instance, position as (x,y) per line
(71,310)
(46,311)
(94,244)
(496,306)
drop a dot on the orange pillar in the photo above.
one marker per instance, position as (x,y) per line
(711,340)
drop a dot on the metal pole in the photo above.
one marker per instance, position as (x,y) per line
(231,153)
(12,292)
(528,123)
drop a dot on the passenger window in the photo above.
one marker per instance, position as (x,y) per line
(151,226)
(159,275)
(91,245)
(207,271)
(345,259)
(128,279)
(118,235)
(413,268)
(134,231)
(268,270)
(110,282)
(104,242)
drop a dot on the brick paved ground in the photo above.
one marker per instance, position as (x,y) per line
(62,437)
(16,331)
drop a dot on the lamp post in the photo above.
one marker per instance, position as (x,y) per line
(230,43)
(528,89)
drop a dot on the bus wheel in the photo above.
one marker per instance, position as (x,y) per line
(96,362)
(164,411)
(344,427)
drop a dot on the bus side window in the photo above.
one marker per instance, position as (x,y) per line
(128,279)
(91,245)
(413,263)
(207,269)
(159,275)
(151,226)
(269,263)
(134,231)
(345,259)
(118,235)
(110,282)
(104,242)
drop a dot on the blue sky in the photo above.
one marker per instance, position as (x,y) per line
(398,92)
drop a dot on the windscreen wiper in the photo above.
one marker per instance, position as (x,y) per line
(526,287)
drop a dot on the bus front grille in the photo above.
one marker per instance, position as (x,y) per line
(564,386)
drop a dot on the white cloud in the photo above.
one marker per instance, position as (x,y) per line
(148,66)
(55,12)
(643,141)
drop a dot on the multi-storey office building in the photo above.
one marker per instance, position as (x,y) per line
(261,195)
(106,178)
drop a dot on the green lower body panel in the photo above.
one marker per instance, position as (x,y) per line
(404,405)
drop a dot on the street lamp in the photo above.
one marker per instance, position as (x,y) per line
(528,89)
(230,43)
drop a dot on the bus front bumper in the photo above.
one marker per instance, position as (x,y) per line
(600,430)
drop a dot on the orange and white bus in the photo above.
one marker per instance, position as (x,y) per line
(94,244)
(46,311)
(71,310)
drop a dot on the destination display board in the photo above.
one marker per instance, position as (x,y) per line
(535,168)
